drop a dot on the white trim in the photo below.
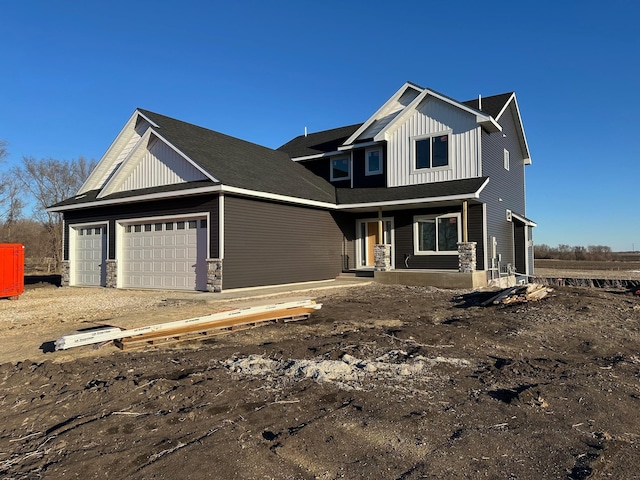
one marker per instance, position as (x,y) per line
(413,167)
(220,226)
(72,246)
(521,219)
(378,113)
(358,240)
(316,156)
(418,218)
(357,145)
(349,166)
(485,239)
(151,122)
(268,196)
(367,171)
(506,163)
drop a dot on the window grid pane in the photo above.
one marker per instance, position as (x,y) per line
(440,151)
(423,154)
(447,234)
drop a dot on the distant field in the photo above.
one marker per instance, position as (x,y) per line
(626,269)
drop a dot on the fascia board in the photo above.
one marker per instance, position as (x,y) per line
(317,155)
(526,221)
(183,155)
(358,145)
(383,134)
(102,166)
(275,196)
(525,144)
(410,201)
(380,111)
(137,198)
(154,124)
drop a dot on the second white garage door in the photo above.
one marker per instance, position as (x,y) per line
(168,254)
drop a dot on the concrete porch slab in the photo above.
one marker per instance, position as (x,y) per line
(433,278)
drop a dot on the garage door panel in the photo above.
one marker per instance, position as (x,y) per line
(170,254)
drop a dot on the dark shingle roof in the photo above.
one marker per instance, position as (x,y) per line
(410,192)
(242,164)
(492,105)
(319,142)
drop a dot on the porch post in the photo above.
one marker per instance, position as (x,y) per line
(465,233)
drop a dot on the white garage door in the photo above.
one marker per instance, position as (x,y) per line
(167,255)
(90,253)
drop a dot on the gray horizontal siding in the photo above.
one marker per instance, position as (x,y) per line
(269,243)
(506,188)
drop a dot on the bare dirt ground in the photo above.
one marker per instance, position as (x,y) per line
(382,382)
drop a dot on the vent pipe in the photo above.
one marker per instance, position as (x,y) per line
(479,102)
(305,131)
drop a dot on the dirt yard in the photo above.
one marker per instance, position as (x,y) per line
(382,382)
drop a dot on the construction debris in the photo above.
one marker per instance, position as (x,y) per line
(214,324)
(519,294)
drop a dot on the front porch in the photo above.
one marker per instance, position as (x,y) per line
(433,278)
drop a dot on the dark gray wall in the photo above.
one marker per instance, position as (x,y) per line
(403,222)
(270,243)
(177,206)
(508,186)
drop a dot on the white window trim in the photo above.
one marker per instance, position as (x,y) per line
(417,219)
(367,170)
(506,159)
(348,177)
(414,158)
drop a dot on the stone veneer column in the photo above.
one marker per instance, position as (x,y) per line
(112,274)
(64,270)
(467,257)
(382,257)
(214,274)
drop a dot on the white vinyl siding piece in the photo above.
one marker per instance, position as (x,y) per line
(431,117)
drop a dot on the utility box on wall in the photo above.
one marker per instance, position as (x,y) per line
(11,270)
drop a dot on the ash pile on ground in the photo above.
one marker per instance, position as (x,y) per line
(382,382)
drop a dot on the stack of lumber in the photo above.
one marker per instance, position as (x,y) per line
(214,324)
(519,294)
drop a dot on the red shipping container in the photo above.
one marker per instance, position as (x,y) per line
(11,270)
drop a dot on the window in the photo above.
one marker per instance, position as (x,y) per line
(432,151)
(340,169)
(506,159)
(373,161)
(436,234)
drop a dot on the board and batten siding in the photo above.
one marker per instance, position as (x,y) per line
(269,244)
(159,165)
(506,188)
(434,116)
(173,208)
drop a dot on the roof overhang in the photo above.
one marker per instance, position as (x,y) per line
(525,220)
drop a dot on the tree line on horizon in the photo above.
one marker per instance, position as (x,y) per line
(26,190)
(568,252)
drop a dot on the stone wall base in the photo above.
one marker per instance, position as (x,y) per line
(467,257)
(112,274)
(65,266)
(382,257)
(214,274)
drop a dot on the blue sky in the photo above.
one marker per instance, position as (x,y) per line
(74,71)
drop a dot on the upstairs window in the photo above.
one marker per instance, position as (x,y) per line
(431,151)
(373,161)
(340,169)
(506,159)
(437,234)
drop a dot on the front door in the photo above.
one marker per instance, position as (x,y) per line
(368,237)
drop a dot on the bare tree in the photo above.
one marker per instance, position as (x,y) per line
(50,181)
(11,202)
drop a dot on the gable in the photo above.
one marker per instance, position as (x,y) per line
(152,163)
